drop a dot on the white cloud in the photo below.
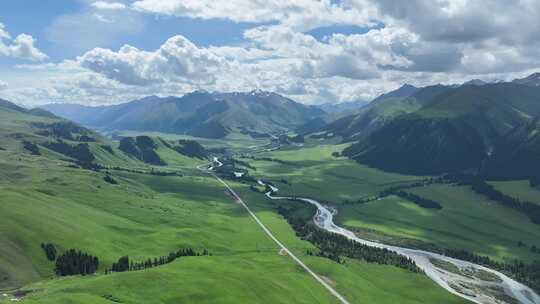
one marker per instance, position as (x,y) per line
(176,60)
(22,47)
(419,42)
(103,5)
(300,15)
(3,85)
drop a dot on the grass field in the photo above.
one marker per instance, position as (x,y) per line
(520,189)
(146,216)
(315,172)
(234,140)
(466,221)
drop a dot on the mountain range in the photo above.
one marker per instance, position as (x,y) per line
(202,114)
(430,130)
(453,129)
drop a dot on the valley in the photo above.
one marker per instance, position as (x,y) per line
(145,193)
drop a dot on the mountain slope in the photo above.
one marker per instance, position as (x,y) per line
(531,80)
(456,131)
(48,137)
(343,107)
(382,109)
(414,145)
(202,114)
(517,154)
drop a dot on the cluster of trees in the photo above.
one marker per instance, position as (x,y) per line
(107,148)
(395,190)
(191,148)
(329,255)
(334,246)
(270,159)
(420,201)
(533,248)
(152,171)
(80,152)
(86,138)
(398,190)
(124,264)
(50,251)
(253,134)
(109,179)
(62,129)
(74,262)
(530,209)
(31,147)
(142,148)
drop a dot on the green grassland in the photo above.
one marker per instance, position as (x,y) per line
(47,200)
(233,140)
(467,220)
(315,172)
(519,189)
(145,216)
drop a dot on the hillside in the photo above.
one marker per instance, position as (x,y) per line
(457,130)
(42,134)
(132,210)
(383,109)
(202,114)
(517,154)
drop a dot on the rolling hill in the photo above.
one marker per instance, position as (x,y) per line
(202,114)
(45,135)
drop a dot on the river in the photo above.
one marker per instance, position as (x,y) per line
(473,282)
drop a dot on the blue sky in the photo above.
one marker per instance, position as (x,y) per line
(43,17)
(311,51)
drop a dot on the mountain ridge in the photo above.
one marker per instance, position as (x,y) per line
(198,113)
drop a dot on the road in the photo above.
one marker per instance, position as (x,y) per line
(217,163)
(464,284)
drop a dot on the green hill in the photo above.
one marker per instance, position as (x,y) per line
(383,109)
(144,215)
(22,131)
(455,131)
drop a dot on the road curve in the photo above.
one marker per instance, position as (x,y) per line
(470,287)
(217,163)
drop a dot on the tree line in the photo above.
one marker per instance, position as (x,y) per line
(76,262)
(418,200)
(124,264)
(50,251)
(480,186)
(334,246)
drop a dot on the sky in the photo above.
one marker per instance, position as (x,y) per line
(328,51)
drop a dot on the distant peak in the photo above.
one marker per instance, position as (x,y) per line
(259,92)
(531,80)
(199,91)
(475,82)
(407,86)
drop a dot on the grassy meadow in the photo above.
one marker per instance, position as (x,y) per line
(467,220)
(146,216)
